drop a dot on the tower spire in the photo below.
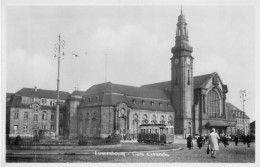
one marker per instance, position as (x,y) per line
(181,9)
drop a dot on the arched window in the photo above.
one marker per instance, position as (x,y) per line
(213,103)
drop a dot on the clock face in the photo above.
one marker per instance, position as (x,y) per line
(176,61)
(188,61)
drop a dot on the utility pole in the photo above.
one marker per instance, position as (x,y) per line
(58,47)
(242,96)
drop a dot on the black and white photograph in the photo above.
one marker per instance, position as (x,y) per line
(122,82)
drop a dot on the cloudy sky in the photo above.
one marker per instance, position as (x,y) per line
(136,40)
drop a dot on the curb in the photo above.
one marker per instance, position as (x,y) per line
(62,147)
(87,153)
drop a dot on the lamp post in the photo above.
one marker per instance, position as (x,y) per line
(242,96)
(58,47)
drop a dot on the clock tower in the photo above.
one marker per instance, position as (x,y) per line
(182,79)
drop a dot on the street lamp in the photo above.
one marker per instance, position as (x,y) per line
(58,47)
(242,96)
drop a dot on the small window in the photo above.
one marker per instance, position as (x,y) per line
(25,116)
(89,99)
(16,115)
(152,103)
(97,98)
(143,102)
(25,129)
(44,116)
(160,104)
(43,127)
(168,105)
(52,117)
(133,101)
(35,117)
(52,127)
(15,129)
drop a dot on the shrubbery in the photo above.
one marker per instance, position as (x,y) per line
(113,139)
(83,140)
(18,140)
(36,138)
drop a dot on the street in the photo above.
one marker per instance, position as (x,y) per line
(134,152)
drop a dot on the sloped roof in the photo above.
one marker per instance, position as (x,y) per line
(201,80)
(42,93)
(198,82)
(231,108)
(109,87)
(160,85)
(113,94)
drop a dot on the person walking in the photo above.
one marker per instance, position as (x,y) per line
(225,140)
(200,141)
(189,142)
(243,138)
(213,142)
(236,139)
(248,140)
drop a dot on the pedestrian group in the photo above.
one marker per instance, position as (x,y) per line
(212,141)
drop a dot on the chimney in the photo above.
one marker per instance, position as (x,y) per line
(35,88)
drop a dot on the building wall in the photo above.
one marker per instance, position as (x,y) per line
(32,124)
(89,121)
(71,119)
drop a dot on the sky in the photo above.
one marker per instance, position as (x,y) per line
(129,45)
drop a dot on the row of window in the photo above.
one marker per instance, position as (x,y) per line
(42,101)
(95,99)
(156,131)
(240,121)
(36,115)
(152,103)
(91,99)
(25,128)
(236,113)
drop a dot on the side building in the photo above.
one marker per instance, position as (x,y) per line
(32,111)
(238,119)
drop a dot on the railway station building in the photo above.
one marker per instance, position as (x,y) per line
(192,104)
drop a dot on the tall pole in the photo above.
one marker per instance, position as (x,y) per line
(243,95)
(57,46)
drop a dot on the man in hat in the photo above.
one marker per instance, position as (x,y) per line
(213,141)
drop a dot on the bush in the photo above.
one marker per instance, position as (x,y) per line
(18,140)
(36,138)
(83,140)
(113,139)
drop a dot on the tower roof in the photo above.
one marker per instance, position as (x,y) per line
(181,16)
